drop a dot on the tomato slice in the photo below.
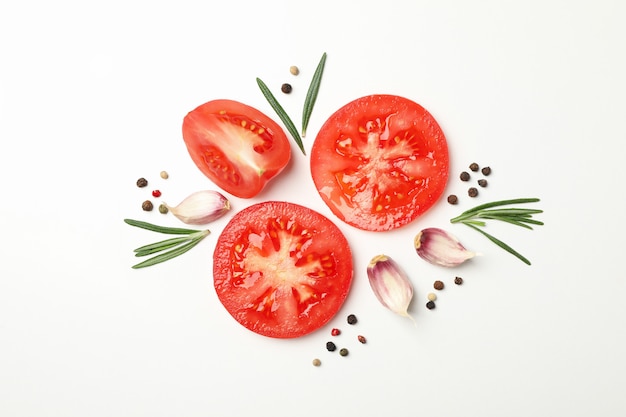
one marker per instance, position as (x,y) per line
(282,270)
(239,148)
(379,162)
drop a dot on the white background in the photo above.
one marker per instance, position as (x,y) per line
(92,96)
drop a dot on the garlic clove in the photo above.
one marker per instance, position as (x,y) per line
(201,207)
(441,248)
(390,284)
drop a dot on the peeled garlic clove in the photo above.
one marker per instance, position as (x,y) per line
(201,207)
(390,284)
(441,248)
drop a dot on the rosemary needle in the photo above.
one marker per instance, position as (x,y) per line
(311,94)
(282,114)
(168,248)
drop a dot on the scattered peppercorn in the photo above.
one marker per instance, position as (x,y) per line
(362,339)
(452,199)
(331,347)
(147,205)
(438,285)
(473,166)
(343,352)
(316,362)
(156,193)
(294,70)
(286,88)
(163,209)
(164,175)
(458,280)
(432,296)
(430,305)
(472,191)
(486,171)
(352,319)
(482,182)
(465,176)
(335,332)
(142,182)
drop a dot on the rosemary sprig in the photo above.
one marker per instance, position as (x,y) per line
(476,216)
(311,94)
(282,114)
(168,248)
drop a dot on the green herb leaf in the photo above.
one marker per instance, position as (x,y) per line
(160,229)
(311,95)
(281,113)
(177,245)
(521,217)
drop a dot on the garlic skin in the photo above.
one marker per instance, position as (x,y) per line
(441,248)
(390,284)
(201,207)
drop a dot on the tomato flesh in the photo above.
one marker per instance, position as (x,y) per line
(379,162)
(236,146)
(282,270)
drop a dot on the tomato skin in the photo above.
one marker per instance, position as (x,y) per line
(282,270)
(236,146)
(379,162)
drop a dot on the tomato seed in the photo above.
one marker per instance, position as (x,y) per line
(438,285)
(147,205)
(362,339)
(458,280)
(343,352)
(430,305)
(472,192)
(465,176)
(352,319)
(286,88)
(156,193)
(142,182)
(482,182)
(335,332)
(316,362)
(486,171)
(473,166)
(453,199)
(331,347)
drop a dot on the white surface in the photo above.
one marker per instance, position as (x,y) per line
(92,97)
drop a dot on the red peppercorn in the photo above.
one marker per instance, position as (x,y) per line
(156,193)
(335,332)
(362,339)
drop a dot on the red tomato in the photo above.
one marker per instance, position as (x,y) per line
(379,162)
(239,148)
(282,270)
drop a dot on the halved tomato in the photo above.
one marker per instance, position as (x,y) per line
(239,148)
(282,270)
(379,162)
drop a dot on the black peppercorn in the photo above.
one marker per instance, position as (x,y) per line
(430,305)
(452,199)
(331,347)
(142,182)
(286,88)
(147,205)
(482,182)
(352,319)
(438,285)
(472,192)
(486,171)
(465,176)
(473,166)
(458,280)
